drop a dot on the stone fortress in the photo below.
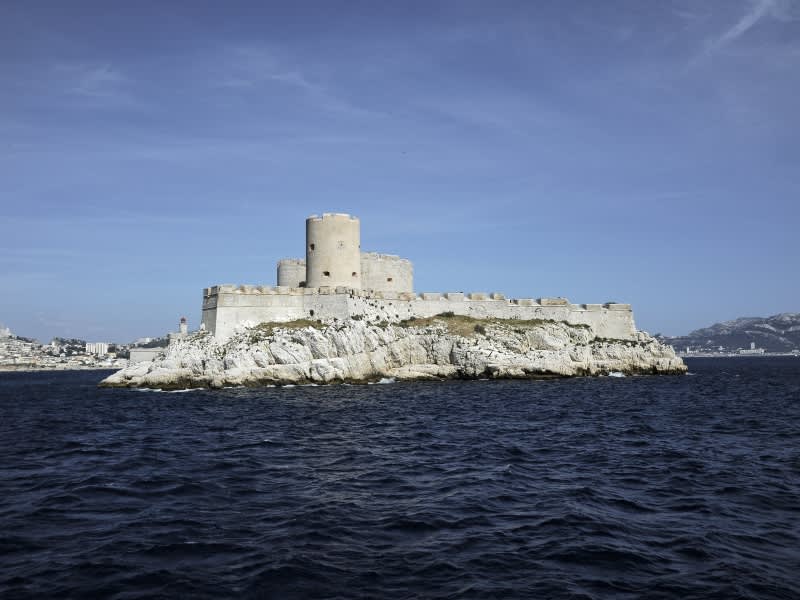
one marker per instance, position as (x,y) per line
(337,281)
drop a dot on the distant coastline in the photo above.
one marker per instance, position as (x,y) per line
(777,335)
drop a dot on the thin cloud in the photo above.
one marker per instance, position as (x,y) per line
(759,10)
(96,85)
(250,67)
(509,113)
(134,220)
(690,16)
(98,81)
(254,67)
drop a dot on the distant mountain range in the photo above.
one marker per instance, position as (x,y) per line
(778,333)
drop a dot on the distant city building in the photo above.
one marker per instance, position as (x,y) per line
(752,349)
(96,348)
(5,332)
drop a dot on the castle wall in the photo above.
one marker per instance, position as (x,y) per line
(386,273)
(291,272)
(614,321)
(226,307)
(333,251)
(379,272)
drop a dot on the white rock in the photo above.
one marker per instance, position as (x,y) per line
(357,351)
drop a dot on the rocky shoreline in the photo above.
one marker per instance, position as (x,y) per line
(354,351)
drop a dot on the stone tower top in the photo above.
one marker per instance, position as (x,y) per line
(326,216)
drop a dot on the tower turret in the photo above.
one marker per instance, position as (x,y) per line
(292,272)
(333,251)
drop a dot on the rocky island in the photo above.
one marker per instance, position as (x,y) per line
(342,315)
(442,347)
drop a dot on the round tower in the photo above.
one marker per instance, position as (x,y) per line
(183,327)
(333,251)
(292,272)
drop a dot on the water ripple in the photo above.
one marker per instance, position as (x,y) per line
(674,487)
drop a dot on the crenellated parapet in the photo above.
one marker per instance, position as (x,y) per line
(257,290)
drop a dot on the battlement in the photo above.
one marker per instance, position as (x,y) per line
(617,306)
(257,290)
(292,261)
(482,297)
(333,217)
(386,257)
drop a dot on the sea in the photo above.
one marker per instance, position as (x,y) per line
(612,487)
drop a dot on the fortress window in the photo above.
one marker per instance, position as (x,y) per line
(388,279)
(311,247)
(326,273)
(311,313)
(340,245)
(355,274)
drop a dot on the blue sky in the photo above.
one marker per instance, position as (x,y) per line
(644,152)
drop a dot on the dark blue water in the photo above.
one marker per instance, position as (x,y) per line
(657,487)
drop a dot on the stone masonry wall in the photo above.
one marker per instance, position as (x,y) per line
(386,273)
(227,307)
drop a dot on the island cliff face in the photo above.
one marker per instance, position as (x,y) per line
(441,347)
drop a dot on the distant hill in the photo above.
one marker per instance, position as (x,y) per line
(778,333)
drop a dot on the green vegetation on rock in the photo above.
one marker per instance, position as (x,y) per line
(466,326)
